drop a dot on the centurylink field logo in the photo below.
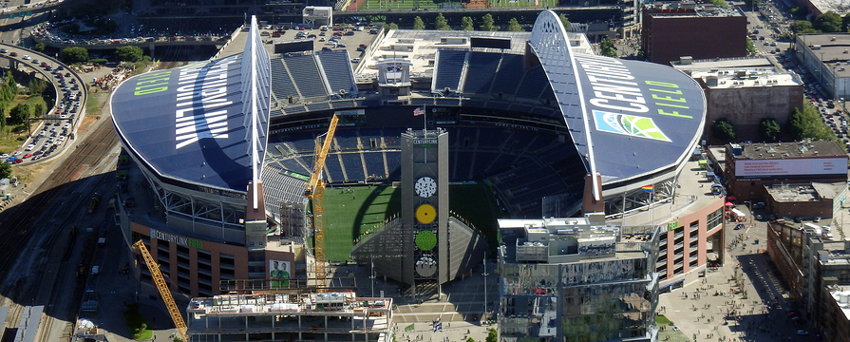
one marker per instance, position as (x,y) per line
(626,124)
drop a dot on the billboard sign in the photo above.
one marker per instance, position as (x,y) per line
(279,274)
(790,167)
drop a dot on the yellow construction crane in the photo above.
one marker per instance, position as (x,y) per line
(314,192)
(162,286)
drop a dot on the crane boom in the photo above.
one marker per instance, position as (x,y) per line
(314,192)
(322,154)
(162,286)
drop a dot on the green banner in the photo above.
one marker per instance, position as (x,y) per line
(409,327)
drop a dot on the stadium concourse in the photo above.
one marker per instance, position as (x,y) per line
(231,141)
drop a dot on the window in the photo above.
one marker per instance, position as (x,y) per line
(715,219)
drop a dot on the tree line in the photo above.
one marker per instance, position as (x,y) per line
(824,23)
(803,124)
(486,23)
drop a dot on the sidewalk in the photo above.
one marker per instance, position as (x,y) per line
(741,301)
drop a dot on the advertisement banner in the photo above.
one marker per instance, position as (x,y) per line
(279,273)
(790,167)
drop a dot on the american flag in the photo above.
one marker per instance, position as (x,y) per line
(419,111)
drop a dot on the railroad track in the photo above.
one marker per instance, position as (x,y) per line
(16,223)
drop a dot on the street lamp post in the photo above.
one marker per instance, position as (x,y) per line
(372,275)
(485,274)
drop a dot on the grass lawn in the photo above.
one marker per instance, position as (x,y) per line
(476,204)
(137,324)
(352,211)
(12,136)
(95,101)
(662,320)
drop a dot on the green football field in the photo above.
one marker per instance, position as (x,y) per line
(352,211)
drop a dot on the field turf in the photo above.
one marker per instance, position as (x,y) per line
(352,211)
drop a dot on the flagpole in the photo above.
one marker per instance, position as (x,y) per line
(424,119)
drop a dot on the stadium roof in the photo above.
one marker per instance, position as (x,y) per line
(628,119)
(204,123)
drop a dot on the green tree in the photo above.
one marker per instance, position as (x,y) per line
(487,23)
(470,339)
(440,23)
(2,121)
(751,48)
(20,114)
(606,48)
(723,130)
(492,335)
(418,24)
(799,12)
(803,26)
(10,87)
(40,47)
(807,124)
(392,26)
(129,53)
(514,26)
(565,21)
(38,109)
(770,129)
(720,3)
(466,24)
(5,170)
(828,22)
(845,23)
(74,54)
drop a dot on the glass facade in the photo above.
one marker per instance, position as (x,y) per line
(588,300)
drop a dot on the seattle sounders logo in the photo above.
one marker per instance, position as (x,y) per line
(625,124)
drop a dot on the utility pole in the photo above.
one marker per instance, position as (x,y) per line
(485,274)
(372,275)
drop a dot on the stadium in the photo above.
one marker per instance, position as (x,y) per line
(538,126)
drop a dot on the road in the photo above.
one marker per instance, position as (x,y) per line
(63,117)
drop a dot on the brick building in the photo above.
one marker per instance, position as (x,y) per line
(745,91)
(749,167)
(817,272)
(702,31)
(809,200)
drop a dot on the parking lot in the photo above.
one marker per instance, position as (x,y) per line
(355,39)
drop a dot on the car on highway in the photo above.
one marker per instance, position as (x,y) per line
(739,226)
(17,161)
(11,159)
(13,54)
(4,50)
(4,155)
(28,155)
(26,57)
(30,147)
(16,153)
